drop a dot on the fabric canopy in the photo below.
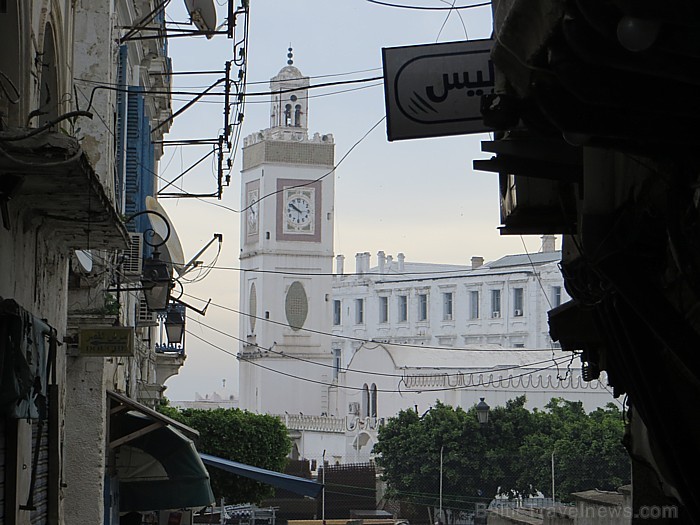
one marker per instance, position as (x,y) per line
(303,486)
(157,464)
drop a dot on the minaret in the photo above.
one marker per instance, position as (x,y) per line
(290,99)
(287,192)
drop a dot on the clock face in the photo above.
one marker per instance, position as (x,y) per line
(252,213)
(299,211)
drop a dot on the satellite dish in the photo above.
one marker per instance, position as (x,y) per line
(84,259)
(203,14)
(172,248)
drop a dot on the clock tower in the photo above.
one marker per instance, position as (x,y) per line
(287,194)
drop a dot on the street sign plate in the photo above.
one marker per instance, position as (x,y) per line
(106,342)
(434,90)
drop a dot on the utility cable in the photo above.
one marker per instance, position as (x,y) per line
(320,332)
(428,8)
(346,387)
(372,373)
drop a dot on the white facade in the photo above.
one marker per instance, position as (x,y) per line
(287,186)
(504,302)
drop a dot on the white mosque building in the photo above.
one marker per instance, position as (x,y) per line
(335,354)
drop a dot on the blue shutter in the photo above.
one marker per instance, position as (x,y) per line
(120,139)
(140,162)
(134,146)
(147,175)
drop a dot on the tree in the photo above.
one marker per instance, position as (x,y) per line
(409,446)
(509,457)
(234,434)
(588,450)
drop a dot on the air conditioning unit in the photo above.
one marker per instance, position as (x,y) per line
(144,317)
(133,256)
(518,313)
(496,315)
(354,408)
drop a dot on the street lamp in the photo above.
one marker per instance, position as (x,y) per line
(174,325)
(156,280)
(482,412)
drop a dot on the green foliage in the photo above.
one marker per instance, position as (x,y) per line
(587,448)
(253,439)
(111,306)
(509,457)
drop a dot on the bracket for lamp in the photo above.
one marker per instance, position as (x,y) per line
(150,231)
(202,311)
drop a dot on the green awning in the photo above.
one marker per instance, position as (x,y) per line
(157,464)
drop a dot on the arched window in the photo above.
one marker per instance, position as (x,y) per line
(288,115)
(297,116)
(373,401)
(365,401)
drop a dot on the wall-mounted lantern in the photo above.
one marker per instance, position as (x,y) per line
(174,325)
(157,282)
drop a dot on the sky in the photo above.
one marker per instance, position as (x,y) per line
(420,197)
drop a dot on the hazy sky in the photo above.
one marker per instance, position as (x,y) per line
(420,197)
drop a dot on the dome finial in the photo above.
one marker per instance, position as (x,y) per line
(290,55)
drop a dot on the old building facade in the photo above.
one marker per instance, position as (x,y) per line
(80,120)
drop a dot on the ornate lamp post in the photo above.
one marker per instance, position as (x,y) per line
(482,412)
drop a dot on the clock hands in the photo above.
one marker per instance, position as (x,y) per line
(291,205)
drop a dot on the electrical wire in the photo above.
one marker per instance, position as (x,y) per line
(346,387)
(45,127)
(357,143)
(372,373)
(320,332)
(428,8)
(170,92)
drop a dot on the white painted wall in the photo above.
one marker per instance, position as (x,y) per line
(528,330)
(269,380)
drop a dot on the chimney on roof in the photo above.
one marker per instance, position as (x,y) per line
(381,260)
(389,262)
(400,258)
(477,262)
(549,244)
(358,262)
(340,264)
(362,262)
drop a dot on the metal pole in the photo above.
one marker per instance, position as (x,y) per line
(553,496)
(323,489)
(440,511)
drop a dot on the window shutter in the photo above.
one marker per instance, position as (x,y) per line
(120,138)
(134,146)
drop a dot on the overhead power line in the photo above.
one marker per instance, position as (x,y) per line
(428,8)
(373,373)
(481,384)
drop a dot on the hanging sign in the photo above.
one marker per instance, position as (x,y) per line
(106,342)
(434,90)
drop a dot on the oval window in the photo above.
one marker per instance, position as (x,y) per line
(296,306)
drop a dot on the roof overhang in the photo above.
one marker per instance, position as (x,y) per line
(49,174)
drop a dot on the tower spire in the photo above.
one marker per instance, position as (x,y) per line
(289,108)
